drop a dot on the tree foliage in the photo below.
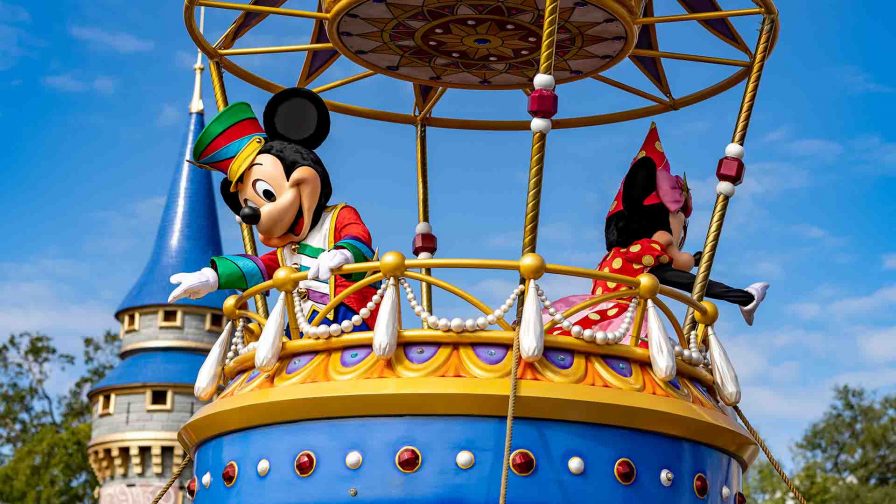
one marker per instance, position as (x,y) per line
(846,456)
(45,427)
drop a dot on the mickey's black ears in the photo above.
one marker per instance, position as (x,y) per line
(297,115)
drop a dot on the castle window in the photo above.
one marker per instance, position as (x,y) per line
(170,318)
(105,405)
(131,322)
(214,322)
(159,399)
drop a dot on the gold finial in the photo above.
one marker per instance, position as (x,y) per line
(196,106)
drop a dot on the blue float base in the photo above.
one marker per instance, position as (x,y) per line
(439,479)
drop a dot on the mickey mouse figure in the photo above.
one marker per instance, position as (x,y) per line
(276,182)
(645,230)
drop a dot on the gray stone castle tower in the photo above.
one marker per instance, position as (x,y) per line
(140,405)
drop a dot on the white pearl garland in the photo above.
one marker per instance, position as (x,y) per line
(577,331)
(458,324)
(693,355)
(336,328)
(237,343)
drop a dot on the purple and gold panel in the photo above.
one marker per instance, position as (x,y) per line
(485,361)
(352,363)
(302,368)
(561,366)
(421,359)
(673,388)
(618,372)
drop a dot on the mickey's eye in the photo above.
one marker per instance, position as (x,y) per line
(264,191)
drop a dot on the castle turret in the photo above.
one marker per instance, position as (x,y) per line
(140,405)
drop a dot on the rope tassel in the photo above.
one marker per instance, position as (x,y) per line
(531,326)
(268,352)
(662,353)
(722,371)
(213,367)
(385,331)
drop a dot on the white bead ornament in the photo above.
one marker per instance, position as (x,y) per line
(353,459)
(734,150)
(458,324)
(666,477)
(540,125)
(263,467)
(423,228)
(576,465)
(543,81)
(725,188)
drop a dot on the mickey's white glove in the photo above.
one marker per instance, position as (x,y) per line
(327,262)
(193,285)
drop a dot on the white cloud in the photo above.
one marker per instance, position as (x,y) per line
(881,299)
(169,115)
(815,147)
(805,311)
(15,40)
(860,81)
(889,261)
(878,345)
(121,42)
(14,13)
(70,83)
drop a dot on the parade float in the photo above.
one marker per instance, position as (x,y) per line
(330,395)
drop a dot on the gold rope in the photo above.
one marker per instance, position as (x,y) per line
(530,228)
(214,70)
(771,458)
(423,206)
(720,209)
(183,465)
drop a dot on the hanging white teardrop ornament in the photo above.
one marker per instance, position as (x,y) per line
(210,373)
(385,330)
(531,327)
(723,373)
(662,353)
(268,351)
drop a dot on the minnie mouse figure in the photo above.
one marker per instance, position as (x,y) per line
(275,182)
(645,231)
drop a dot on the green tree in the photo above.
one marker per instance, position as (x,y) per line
(846,456)
(44,435)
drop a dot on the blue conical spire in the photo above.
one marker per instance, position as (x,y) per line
(188,233)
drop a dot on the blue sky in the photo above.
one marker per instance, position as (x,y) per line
(93,104)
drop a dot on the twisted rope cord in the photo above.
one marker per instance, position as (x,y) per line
(530,229)
(174,476)
(771,458)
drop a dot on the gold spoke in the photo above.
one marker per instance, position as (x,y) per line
(689,57)
(698,16)
(427,110)
(342,82)
(276,49)
(629,89)
(263,9)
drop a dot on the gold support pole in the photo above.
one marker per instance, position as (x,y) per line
(214,70)
(763,45)
(423,205)
(698,16)
(530,227)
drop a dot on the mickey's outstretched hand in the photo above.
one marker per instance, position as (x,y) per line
(193,285)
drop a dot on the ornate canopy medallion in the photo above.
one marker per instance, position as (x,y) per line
(479,43)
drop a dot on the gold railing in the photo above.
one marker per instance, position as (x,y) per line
(530,267)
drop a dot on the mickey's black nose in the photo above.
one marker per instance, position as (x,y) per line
(250,215)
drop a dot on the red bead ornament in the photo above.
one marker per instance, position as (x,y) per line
(228,475)
(408,459)
(731,169)
(740,498)
(701,485)
(522,462)
(305,463)
(543,103)
(425,242)
(191,487)
(625,471)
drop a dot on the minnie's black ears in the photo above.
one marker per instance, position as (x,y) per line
(297,115)
(639,183)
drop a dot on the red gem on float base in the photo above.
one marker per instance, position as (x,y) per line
(543,103)
(731,169)
(740,498)
(625,471)
(701,486)
(408,459)
(191,487)
(229,473)
(522,462)
(425,242)
(305,464)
